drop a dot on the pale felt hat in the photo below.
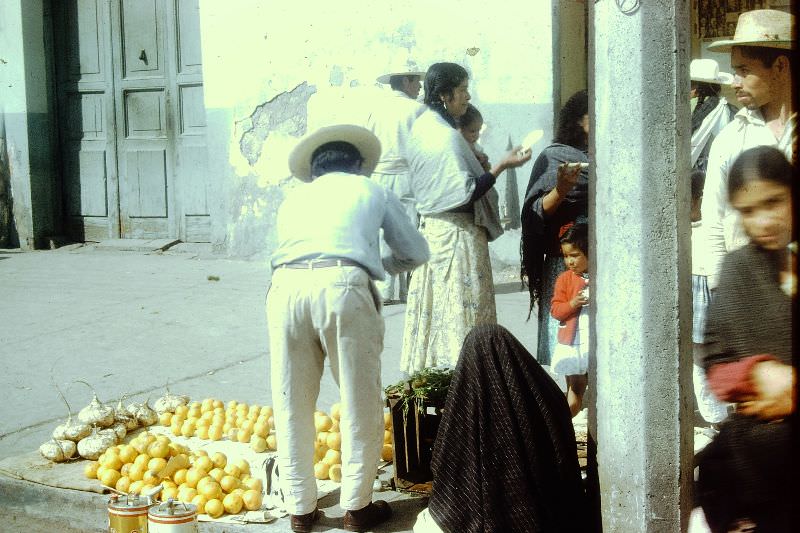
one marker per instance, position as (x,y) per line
(768,28)
(364,140)
(707,70)
(384,78)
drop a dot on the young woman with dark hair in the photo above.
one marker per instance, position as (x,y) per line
(454,290)
(557,194)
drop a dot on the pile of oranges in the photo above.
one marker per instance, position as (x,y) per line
(328,444)
(211,419)
(212,483)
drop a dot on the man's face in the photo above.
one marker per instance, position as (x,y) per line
(412,86)
(753,82)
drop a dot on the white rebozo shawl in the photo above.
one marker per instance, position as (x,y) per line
(712,124)
(443,170)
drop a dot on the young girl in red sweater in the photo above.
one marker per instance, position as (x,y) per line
(570,296)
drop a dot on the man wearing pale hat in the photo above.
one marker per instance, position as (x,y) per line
(390,117)
(322,303)
(710,110)
(761,51)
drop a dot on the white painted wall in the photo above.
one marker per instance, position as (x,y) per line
(254,51)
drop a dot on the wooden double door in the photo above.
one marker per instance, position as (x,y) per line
(132,121)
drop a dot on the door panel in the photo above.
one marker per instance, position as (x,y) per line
(191,170)
(84,86)
(132,119)
(141,89)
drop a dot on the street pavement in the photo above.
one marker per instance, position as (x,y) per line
(131,322)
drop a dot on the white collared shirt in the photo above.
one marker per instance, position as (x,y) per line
(390,118)
(338,216)
(722,230)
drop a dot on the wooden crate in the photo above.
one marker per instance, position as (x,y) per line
(412,447)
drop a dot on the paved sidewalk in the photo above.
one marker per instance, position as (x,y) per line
(129,322)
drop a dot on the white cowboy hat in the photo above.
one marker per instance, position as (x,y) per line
(767,28)
(707,70)
(364,140)
(384,78)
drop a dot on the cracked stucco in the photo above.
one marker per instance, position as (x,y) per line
(286,113)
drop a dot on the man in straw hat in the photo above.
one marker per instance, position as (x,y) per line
(390,117)
(322,302)
(761,52)
(710,111)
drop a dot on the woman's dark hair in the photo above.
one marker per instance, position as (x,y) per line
(760,163)
(440,80)
(698,180)
(577,235)
(337,156)
(472,114)
(705,90)
(569,130)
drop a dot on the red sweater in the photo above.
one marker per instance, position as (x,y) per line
(568,284)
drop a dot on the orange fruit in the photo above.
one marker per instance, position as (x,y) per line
(232,503)
(251,499)
(335,473)
(214,508)
(321,470)
(90,470)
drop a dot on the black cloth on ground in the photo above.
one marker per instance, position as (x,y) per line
(505,457)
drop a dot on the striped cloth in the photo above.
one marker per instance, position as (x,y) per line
(701,297)
(505,457)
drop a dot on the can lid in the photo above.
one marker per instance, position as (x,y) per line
(171,508)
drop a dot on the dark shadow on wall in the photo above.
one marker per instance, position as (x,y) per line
(8,231)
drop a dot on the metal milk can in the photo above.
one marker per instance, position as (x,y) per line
(128,514)
(172,517)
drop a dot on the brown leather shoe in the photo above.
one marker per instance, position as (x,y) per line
(367,517)
(304,523)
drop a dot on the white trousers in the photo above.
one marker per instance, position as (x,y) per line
(311,314)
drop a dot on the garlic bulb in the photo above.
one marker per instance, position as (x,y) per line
(71,429)
(96,414)
(144,413)
(120,429)
(57,450)
(169,402)
(123,416)
(95,444)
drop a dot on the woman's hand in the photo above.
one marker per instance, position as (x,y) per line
(513,159)
(567,178)
(483,159)
(774,391)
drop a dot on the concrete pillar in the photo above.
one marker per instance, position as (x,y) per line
(26,109)
(640,265)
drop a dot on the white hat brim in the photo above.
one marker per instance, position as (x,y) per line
(723,78)
(364,140)
(386,77)
(726,44)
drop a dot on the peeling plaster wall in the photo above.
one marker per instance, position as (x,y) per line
(262,62)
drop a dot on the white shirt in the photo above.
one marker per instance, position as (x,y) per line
(711,126)
(337,216)
(722,230)
(391,117)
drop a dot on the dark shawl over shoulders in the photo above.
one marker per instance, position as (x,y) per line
(505,457)
(749,313)
(745,471)
(540,233)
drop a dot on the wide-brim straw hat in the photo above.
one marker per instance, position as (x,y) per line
(707,70)
(768,28)
(384,78)
(364,140)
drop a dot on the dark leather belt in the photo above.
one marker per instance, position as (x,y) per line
(321,263)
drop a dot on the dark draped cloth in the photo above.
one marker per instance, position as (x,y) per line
(505,458)
(701,111)
(540,233)
(746,471)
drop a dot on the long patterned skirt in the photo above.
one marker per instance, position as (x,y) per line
(448,295)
